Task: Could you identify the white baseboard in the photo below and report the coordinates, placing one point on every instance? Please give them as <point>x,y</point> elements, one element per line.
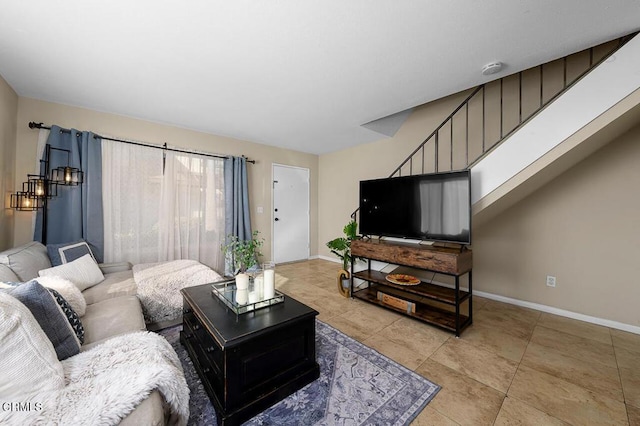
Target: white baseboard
<point>329,258</point>
<point>537,306</point>
<point>561,312</point>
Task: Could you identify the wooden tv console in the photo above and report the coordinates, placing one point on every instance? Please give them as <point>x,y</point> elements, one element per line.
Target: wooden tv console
<point>432,303</point>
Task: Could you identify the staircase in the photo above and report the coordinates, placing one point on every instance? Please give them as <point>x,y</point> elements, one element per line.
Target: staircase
<point>504,127</point>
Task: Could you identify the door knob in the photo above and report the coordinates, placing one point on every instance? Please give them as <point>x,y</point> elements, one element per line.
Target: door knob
<point>276,219</point>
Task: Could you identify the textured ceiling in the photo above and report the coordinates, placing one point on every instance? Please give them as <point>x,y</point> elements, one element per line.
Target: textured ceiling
<point>304,75</point>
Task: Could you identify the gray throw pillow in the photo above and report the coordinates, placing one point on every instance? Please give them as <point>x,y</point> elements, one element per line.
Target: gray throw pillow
<point>70,314</point>
<point>50,316</point>
<point>68,252</point>
<point>67,309</point>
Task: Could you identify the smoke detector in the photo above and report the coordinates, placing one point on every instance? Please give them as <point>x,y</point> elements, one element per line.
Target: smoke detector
<point>492,68</point>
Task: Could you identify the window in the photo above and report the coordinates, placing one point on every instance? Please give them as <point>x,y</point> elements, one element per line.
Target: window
<point>151,215</point>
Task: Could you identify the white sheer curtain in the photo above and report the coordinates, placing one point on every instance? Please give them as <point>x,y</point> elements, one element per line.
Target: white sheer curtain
<point>192,209</point>
<point>151,216</point>
<point>131,180</point>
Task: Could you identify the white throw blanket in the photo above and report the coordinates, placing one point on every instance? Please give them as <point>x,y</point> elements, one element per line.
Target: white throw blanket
<point>159,286</point>
<point>105,383</point>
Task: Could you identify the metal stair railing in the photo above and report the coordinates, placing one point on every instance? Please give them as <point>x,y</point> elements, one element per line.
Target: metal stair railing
<point>479,94</point>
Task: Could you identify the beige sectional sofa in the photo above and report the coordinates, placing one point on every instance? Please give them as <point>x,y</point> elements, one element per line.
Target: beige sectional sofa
<point>112,309</point>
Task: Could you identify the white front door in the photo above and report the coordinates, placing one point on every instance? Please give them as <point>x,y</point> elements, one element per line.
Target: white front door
<point>290,213</point>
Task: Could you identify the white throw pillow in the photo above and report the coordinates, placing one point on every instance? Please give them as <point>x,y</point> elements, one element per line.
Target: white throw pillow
<point>83,272</point>
<point>29,359</point>
<point>68,290</point>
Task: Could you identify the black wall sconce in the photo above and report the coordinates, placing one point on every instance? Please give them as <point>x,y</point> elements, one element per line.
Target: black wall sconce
<point>40,188</point>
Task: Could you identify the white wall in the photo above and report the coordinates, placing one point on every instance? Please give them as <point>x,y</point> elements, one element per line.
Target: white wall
<point>8,114</point>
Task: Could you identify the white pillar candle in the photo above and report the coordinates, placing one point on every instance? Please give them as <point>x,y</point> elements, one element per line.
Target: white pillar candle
<point>269,280</point>
<point>242,281</point>
<point>269,283</point>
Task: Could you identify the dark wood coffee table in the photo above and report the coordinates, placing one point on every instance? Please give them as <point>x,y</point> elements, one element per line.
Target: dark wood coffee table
<point>248,362</point>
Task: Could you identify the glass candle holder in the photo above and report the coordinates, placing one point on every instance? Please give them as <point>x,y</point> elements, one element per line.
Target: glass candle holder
<point>258,285</point>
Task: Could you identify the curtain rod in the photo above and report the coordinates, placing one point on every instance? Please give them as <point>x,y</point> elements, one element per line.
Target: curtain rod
<point>34,125</point>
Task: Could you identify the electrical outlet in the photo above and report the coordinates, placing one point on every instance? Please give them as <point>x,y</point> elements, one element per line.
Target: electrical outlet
<point>551,281</point>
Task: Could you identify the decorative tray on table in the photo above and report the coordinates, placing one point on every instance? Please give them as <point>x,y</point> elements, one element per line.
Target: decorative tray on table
<point>243,301</point>
<point>402,279</point>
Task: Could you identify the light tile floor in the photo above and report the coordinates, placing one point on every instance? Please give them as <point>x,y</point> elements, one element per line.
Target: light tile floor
<point>512,366</point>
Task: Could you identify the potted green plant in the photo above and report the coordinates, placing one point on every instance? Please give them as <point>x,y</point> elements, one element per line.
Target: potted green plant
<point>341,247</point>
<point>243,255</point>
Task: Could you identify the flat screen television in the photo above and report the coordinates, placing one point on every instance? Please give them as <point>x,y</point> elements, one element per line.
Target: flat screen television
<point>435,207</point>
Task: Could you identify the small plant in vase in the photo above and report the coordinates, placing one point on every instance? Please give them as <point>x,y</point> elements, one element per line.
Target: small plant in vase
<point>243,255</point>
<point>341,247</point>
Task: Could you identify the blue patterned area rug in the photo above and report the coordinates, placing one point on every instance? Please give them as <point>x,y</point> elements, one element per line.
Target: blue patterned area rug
<point>357,386</point>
